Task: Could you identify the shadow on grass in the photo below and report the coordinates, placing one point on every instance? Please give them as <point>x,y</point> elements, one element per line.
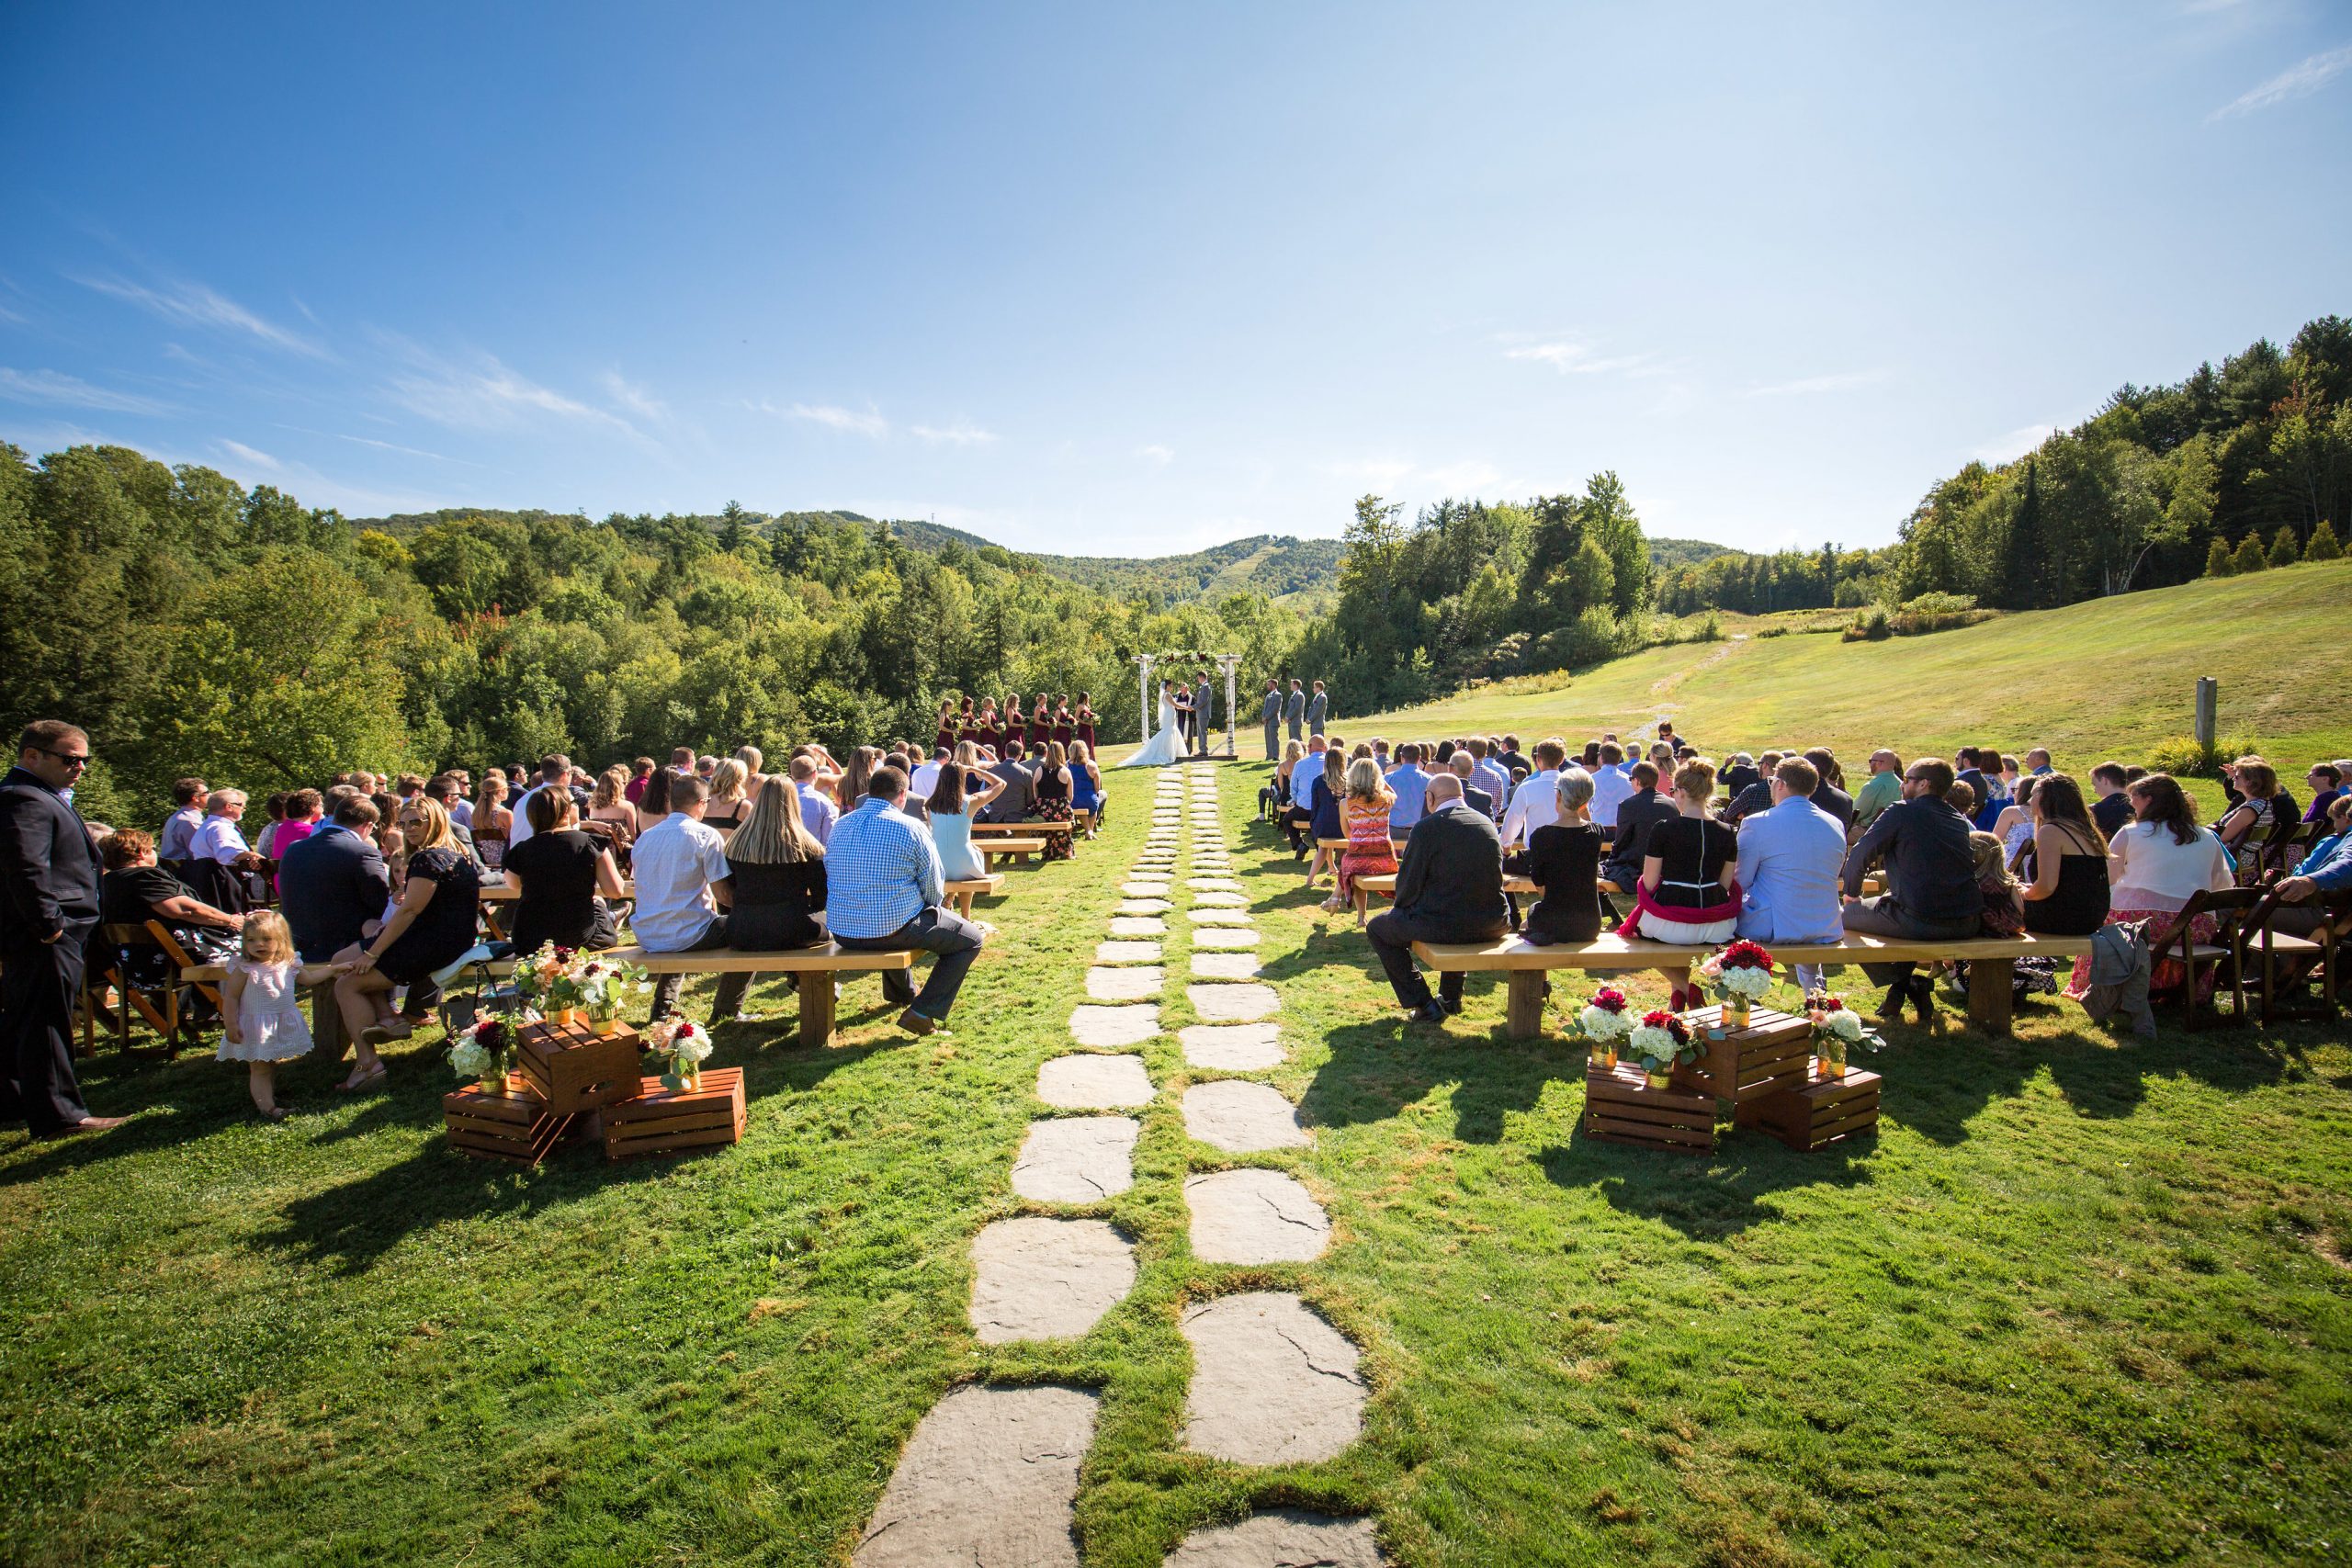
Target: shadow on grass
<point>1704,1198</point>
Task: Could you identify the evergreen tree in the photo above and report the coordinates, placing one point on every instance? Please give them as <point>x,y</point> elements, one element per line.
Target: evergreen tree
<point>2250,556</point>
<point>2027,558</point>
<point>2218,560</point>
<point>2285,550</point>
<point>2324,544</point>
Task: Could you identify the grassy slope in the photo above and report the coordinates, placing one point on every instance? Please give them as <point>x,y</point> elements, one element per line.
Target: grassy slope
<point>2103,679</point>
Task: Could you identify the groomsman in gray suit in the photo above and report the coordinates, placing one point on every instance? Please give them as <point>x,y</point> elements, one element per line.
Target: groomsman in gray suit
<point>1295,710</point>
<point>1318,707</point>
<point>1273,714</point>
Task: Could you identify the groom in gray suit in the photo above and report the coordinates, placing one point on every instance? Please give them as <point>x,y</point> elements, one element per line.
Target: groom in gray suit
<point>1273,714</point>
<point>1295,710</point>
<point>1203,710</point>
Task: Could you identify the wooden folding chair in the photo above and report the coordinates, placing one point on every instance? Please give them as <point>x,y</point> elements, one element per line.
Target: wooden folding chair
<point>2227,949</point>
<point>2288,961</point>
<point>182,959</point>
<point>122,943</point>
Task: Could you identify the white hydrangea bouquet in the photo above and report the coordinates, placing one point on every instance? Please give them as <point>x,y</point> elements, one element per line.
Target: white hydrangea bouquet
<point>1836,1028</point>
<point>1738,977</point>
<point>608,989</point>
<point>485,1052</point>
<point>1604,1023</point>
<point>687,1043</point>
<point>1660,1041</point>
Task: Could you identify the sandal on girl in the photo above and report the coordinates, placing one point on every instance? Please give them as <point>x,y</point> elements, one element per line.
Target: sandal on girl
<point>365,1080</point>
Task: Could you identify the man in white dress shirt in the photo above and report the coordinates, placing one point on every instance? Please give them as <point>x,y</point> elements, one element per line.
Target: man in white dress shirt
<point>926,775</point>
<point>1536,802</point>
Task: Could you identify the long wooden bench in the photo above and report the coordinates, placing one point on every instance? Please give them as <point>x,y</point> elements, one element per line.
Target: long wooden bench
<point>1036,830</point>
<point>816,994</point>
<point>961,894</point>
<point>1992,964</point>
<point>1018,850</point>
<point>318,979</point>
<point>1386,886</point>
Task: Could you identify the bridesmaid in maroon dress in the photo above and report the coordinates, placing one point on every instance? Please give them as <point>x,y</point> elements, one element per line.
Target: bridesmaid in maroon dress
<point>1086,721</point>
<point>1013,722</point>
<point>987,735</point>
<point>966,726</point>
<point>1065,731</point>
<point>1040,721</point>
<point>946,739</point>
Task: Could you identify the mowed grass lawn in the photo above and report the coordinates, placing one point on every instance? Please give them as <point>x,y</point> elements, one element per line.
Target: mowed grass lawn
<point>2083,1299</point>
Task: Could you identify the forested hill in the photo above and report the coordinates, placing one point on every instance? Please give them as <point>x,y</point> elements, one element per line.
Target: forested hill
<point>1300,571</point>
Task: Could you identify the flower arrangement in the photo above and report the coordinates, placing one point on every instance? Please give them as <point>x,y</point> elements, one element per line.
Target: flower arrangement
<point>1735,978</point>
<point>536,975</point>
<point>687,1043</point>
<point>485,1051</point>
<point>1658,1042</point>
<point>608,989</point>
<point>1605,1020</point>
<point>1836,1028</point>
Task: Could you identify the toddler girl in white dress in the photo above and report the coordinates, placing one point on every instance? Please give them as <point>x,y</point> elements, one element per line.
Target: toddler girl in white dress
<point>262,1004</point>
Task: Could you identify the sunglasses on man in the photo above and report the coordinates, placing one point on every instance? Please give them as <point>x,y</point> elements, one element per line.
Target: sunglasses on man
<point>70,759</point>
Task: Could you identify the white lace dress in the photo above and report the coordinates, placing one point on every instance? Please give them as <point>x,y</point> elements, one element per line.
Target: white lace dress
<point>1164,748</point>
<point>270,1024</point>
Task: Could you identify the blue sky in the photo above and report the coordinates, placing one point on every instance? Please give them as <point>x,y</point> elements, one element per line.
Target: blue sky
<point>1129,280</point>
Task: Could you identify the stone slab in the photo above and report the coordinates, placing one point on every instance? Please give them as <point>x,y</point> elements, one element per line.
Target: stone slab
<point>1143,908</point>
<point>1272,1382</point>
<point>1225,966</point>
<point>1213,885</point>
<point>1233,1004</point>
<point>1218,916</point>
<point>1232,1047</point>
<point>1095,1083</point>
<point>1076,1159</point>
<point>989,1475</point>
<point>1145,888</point>
<point>1221,900</point>
<point>1138,925</point>
<point>1132,985</point>
<point>1255,1216</point>
<point>1224,936</point>
<point>1106,1026</point>
<point>1131,952</point>
<point>1041,1279</point>
<point>1239,1117</point>
<point>1287,1537</point>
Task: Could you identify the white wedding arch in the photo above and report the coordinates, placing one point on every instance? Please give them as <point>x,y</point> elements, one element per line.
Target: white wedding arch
<point>1225,662</point>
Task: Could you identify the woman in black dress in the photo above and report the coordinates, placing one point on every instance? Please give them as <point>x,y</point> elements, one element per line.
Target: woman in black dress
<point>431,924</point>
<point>2067,895</point>
<point>560,873</point>
<point>777,868</point>
<point>1564,862</point>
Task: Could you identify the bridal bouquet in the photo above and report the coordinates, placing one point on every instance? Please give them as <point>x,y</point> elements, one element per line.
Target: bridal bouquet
<point>485,1052</point>
<point>1660,1041</point>
<point>1605,1020</point>
<point>1835,1029</point>
<point>687,1043</point>
<point>1735,978</point>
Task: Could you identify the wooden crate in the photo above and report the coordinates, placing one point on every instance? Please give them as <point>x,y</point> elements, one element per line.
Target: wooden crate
<point>1620,1106</point>
<point>665,1121</point>
<point>1772,1054</point>
<point>515,1127</point>
<point>573,1068</point>
<point>1818,1112</point>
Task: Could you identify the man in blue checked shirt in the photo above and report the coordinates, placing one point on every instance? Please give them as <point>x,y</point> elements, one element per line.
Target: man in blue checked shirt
<point>2326,870</point>
<point>884,889</point>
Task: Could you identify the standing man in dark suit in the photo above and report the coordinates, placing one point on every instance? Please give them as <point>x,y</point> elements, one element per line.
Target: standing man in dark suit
<point>333,885</point>
<point>1295,710</point>
<point>1449,888</point>
<point>49,907</point>
<point>1272,712</point>
<point>1204,712</point>
<point>1318,709</point>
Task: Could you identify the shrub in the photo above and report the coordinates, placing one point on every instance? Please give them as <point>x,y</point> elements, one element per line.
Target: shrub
<point>2324,544</point>
<point>1870,626</point>
<point>1773,631</point>
<point>2183,758</point>
<point>2250,556</point>
<point>1914,617</point>
<point>2285,550</point>
<point>2219,562</point>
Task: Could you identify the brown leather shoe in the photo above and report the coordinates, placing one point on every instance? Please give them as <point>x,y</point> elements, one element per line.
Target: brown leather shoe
<point>915,1022</point>
<point>88,1124</point>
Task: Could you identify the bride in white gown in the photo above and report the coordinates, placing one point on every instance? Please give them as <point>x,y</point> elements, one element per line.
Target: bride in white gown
<point>1165,747</point>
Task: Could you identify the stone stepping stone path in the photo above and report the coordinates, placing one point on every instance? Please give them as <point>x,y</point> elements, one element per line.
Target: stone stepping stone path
<point>1045,1278</point>
<point>1240,1117</point>
<point>1233,1004</point>
<point>1105,1027</point>
<point>1093,1082</point>
<point>1254,1216</point>
<point>1145,889</point>
<point>1224,936</point>
<point>1218,916</point>
<point>1272,1382</point>
<point>1231,1047</point>
<point>990,1475</point>
<point>1127,953</point>
<point>1220,901</point>
<point>1138,925</point>
<point>1143,907</point>
<point>1123,985</point>
<point>1226,965</point>
<point>1076,1159</point>
<point>1290,1537</point>
<point>1213,885</point>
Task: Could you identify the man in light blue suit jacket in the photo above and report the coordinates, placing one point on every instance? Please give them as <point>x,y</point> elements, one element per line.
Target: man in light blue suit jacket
<point>1790,860</point>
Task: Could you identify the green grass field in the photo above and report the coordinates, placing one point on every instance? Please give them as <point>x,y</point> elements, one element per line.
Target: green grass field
<point>2085,1299</point>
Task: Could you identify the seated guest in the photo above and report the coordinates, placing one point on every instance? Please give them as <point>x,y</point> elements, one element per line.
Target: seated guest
<point>614,810</point>
<point>818,812</point>
<point>2014,827</point>
<point>1962,799</point>
<point>729,801</point>
<point>2261,805</point>
<point>265,845</point>
<point>2037,762</point>
<point>220,865</point>
<point>1830,795</point>
<point>493,822</point>
<point>682,887</point>
<point>1756,797</point>
<point>1642,810</point>
<point>925,778</point>
<point>558,874</point>
<point>640,772</point>
<point>1050,798</point>
<point>1535,800</point>
<point>2112,809</point>
<point>1881,790</point>
<point>442,790</point>
<point>2156,865</point>
<point>1789,858</point>
<point>2326,868</point>
<point>555,772</point>
<point>1564,862</point>
<point>332,886</point>
<point>1688,893</point>
<point>1409,786</point>
<point>179,828</point>
<point>1480,801</point>
<point>1017,786</point>
<point>1450,889</point>
<point>2066,862</point>
<point>952,814</point>
<point>654,804</point>
<point>1930,876</point>
<point>1363,822</point>
<point>429,928</point>
<point>1085,784</point>
<point>1489,775</point>
<point>885,890</point>
<point>1738,775</point>
<point>134,890</point>
<point>1611,786</point>
<point>305,808</point>
<point>777,869</point>
<point>2327,785</point>
<point>1324,792</point>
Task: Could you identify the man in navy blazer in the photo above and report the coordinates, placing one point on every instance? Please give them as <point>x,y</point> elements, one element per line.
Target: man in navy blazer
<point>333,885</point>
<point>49,907</point>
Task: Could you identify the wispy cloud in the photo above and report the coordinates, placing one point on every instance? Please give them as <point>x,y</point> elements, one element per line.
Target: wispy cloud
<point>634,397</point>
<point>252,458</point>
<point>1805,386</point>
<point>2016,443</point>
<point>1156,455</point>
<point>1571,359</point>
<point>50,389</point>
<point>832,416</point>
<point>485,393</point>
<point>962,433</point>
<point>379,445</point>
<point>193,304</point>
<point>2295,82</point>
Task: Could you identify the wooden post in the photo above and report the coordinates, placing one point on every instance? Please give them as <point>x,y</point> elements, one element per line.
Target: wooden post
<point>816,1007</point>
<point>1991,990</point>
<point>2209,694</point>
<point>1523,1018</point>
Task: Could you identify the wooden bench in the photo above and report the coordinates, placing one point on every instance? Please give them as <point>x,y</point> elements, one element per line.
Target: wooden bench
<point>1992,964</point>
<point>318,979</point>
<point>1386,886</point>
<point>1018,850</point>
<point>493,894</point>
<point>961,894</point>
<point>818,963</point>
